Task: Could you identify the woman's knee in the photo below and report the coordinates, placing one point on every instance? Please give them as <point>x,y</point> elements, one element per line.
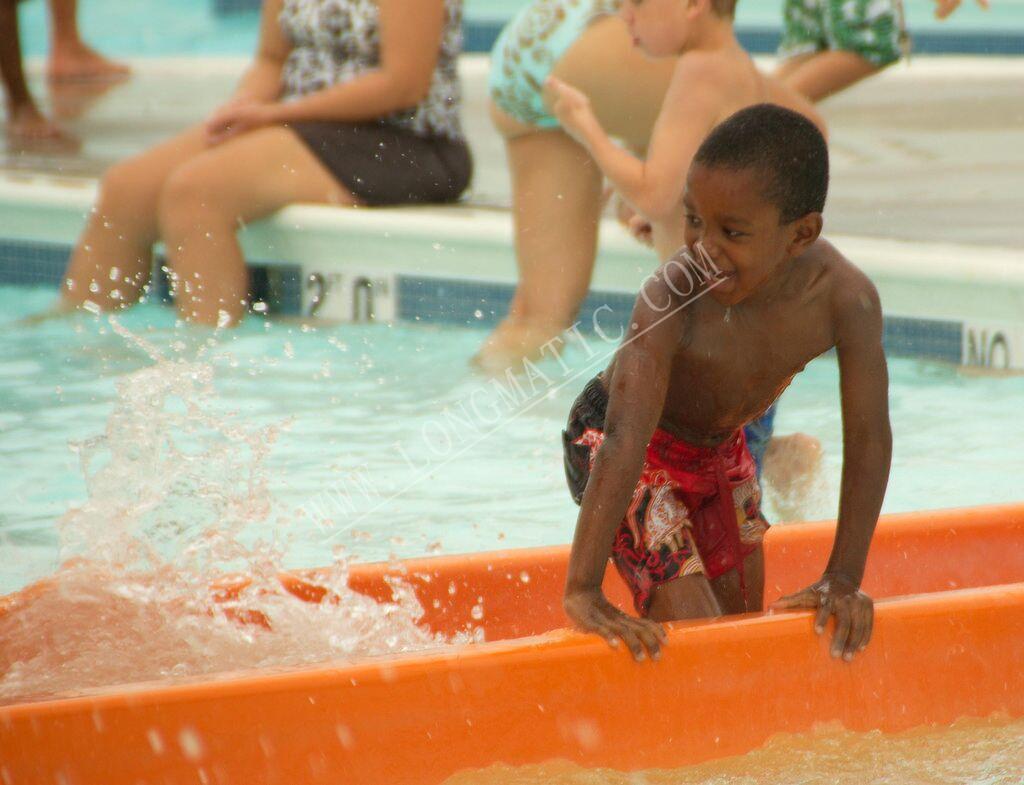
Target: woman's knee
<point>187,200</point>
<point>127,188</point>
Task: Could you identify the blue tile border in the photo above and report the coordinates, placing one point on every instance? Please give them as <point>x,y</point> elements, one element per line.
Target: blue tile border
<point>457,302</point>
<point>33,263</point>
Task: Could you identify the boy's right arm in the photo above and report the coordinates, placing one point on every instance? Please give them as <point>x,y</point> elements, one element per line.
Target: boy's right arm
<point>637,393</point>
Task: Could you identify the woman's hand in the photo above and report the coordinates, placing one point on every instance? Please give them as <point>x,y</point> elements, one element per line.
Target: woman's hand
<point>838,596</point>
<point>591,612</point>
<point>238,117</point>
<point>573,110</point>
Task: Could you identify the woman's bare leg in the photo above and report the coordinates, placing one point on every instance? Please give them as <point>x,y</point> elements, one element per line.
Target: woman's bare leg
<point>823,74</point>
<point>111,263</point>
<point>205,201</point>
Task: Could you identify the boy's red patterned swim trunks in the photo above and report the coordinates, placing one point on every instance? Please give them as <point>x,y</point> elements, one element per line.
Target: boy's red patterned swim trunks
<point>695,510</point>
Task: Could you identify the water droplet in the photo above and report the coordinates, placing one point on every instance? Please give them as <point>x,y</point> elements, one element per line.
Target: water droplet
<point>524,576</point>
<point>156,741</point>
<point>477,612</point>
<point>191,744</point>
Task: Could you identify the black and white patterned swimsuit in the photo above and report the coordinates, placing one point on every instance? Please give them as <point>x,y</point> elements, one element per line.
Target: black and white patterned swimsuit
<point>415,155</point>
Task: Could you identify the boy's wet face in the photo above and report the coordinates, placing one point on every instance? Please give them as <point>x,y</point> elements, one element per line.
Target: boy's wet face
<point>728,217</point>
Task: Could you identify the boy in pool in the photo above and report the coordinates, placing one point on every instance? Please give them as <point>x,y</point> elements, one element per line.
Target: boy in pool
<point>654,447</point>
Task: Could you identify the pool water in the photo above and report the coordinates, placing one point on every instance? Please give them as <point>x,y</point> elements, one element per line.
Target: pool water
<point>141,459</point>
<point>147,28</point>
<point>379,439</point>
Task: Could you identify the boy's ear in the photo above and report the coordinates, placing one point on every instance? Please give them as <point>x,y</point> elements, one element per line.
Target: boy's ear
<point>695,8</point>
<point>805,230</point>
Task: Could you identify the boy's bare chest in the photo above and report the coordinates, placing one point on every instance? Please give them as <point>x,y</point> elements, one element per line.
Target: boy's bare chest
<point>729,370</point>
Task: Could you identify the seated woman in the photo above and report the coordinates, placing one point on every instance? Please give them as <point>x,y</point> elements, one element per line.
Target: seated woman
<point>347,102</point>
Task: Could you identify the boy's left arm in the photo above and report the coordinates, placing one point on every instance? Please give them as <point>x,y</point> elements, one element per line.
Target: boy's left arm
<point>867,450</point>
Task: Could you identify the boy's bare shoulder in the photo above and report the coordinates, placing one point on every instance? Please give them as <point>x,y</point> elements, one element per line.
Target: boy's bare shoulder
<point>703,68</point>
<point>851,294</point>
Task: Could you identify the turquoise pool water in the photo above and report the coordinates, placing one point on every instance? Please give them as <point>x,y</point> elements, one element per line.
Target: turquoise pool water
<point>360,436</point>
<point>145,28</point>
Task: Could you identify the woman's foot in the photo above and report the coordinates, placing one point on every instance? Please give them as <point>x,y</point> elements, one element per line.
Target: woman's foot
<point>82,63</point>
<point>29,129</point>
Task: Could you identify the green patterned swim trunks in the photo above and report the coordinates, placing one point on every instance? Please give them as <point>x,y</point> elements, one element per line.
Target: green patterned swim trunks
<point>872,29</point>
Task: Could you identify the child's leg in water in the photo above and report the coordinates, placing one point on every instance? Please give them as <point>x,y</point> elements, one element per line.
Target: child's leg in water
<point>556,210</point>
<point>556,187</point>
<point>791,465</point>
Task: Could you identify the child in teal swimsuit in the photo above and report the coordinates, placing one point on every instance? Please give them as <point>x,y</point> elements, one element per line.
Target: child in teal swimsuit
<point>529,47</point>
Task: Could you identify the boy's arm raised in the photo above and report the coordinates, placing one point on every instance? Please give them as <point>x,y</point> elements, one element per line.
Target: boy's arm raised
<point>654,185</point>
<point>636,396</point>
<point>867,450</point>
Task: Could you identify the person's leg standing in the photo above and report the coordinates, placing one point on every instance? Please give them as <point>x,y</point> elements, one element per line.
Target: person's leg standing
<point>206,200</point>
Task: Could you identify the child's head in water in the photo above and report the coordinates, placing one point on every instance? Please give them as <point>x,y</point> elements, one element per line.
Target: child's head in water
<point>754,195</point>
<point>664,28</point>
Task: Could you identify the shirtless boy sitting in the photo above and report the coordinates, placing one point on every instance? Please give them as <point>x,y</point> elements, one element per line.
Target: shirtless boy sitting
<point>654,448</point>
<point>713,77</point>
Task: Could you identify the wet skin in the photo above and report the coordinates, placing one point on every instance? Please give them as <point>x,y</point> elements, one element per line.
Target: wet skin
<point>701,368</point>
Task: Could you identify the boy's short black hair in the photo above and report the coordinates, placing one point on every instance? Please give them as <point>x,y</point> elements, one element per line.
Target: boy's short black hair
<point>783,145</point>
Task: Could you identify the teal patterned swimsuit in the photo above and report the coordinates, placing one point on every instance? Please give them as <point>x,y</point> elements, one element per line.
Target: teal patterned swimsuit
<point>530,46</point>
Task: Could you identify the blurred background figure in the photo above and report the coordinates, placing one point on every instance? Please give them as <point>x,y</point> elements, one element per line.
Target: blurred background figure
<point>24,122</point>
<point>347,102</point>
<point>828,45</point>
<point>71,59</point>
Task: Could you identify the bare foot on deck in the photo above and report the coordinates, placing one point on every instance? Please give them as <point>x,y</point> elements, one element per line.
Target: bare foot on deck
<point>82,63</point>
<point>30,130</point>
<point>791,466</point>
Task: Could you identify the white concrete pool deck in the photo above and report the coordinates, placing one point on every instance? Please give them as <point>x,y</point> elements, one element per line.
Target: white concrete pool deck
<point>928,184</point>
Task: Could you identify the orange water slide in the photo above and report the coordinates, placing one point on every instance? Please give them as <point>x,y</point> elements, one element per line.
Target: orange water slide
<point>948,641</point>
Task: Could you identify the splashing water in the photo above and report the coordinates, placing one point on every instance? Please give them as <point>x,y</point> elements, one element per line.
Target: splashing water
<point>177,499</point>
